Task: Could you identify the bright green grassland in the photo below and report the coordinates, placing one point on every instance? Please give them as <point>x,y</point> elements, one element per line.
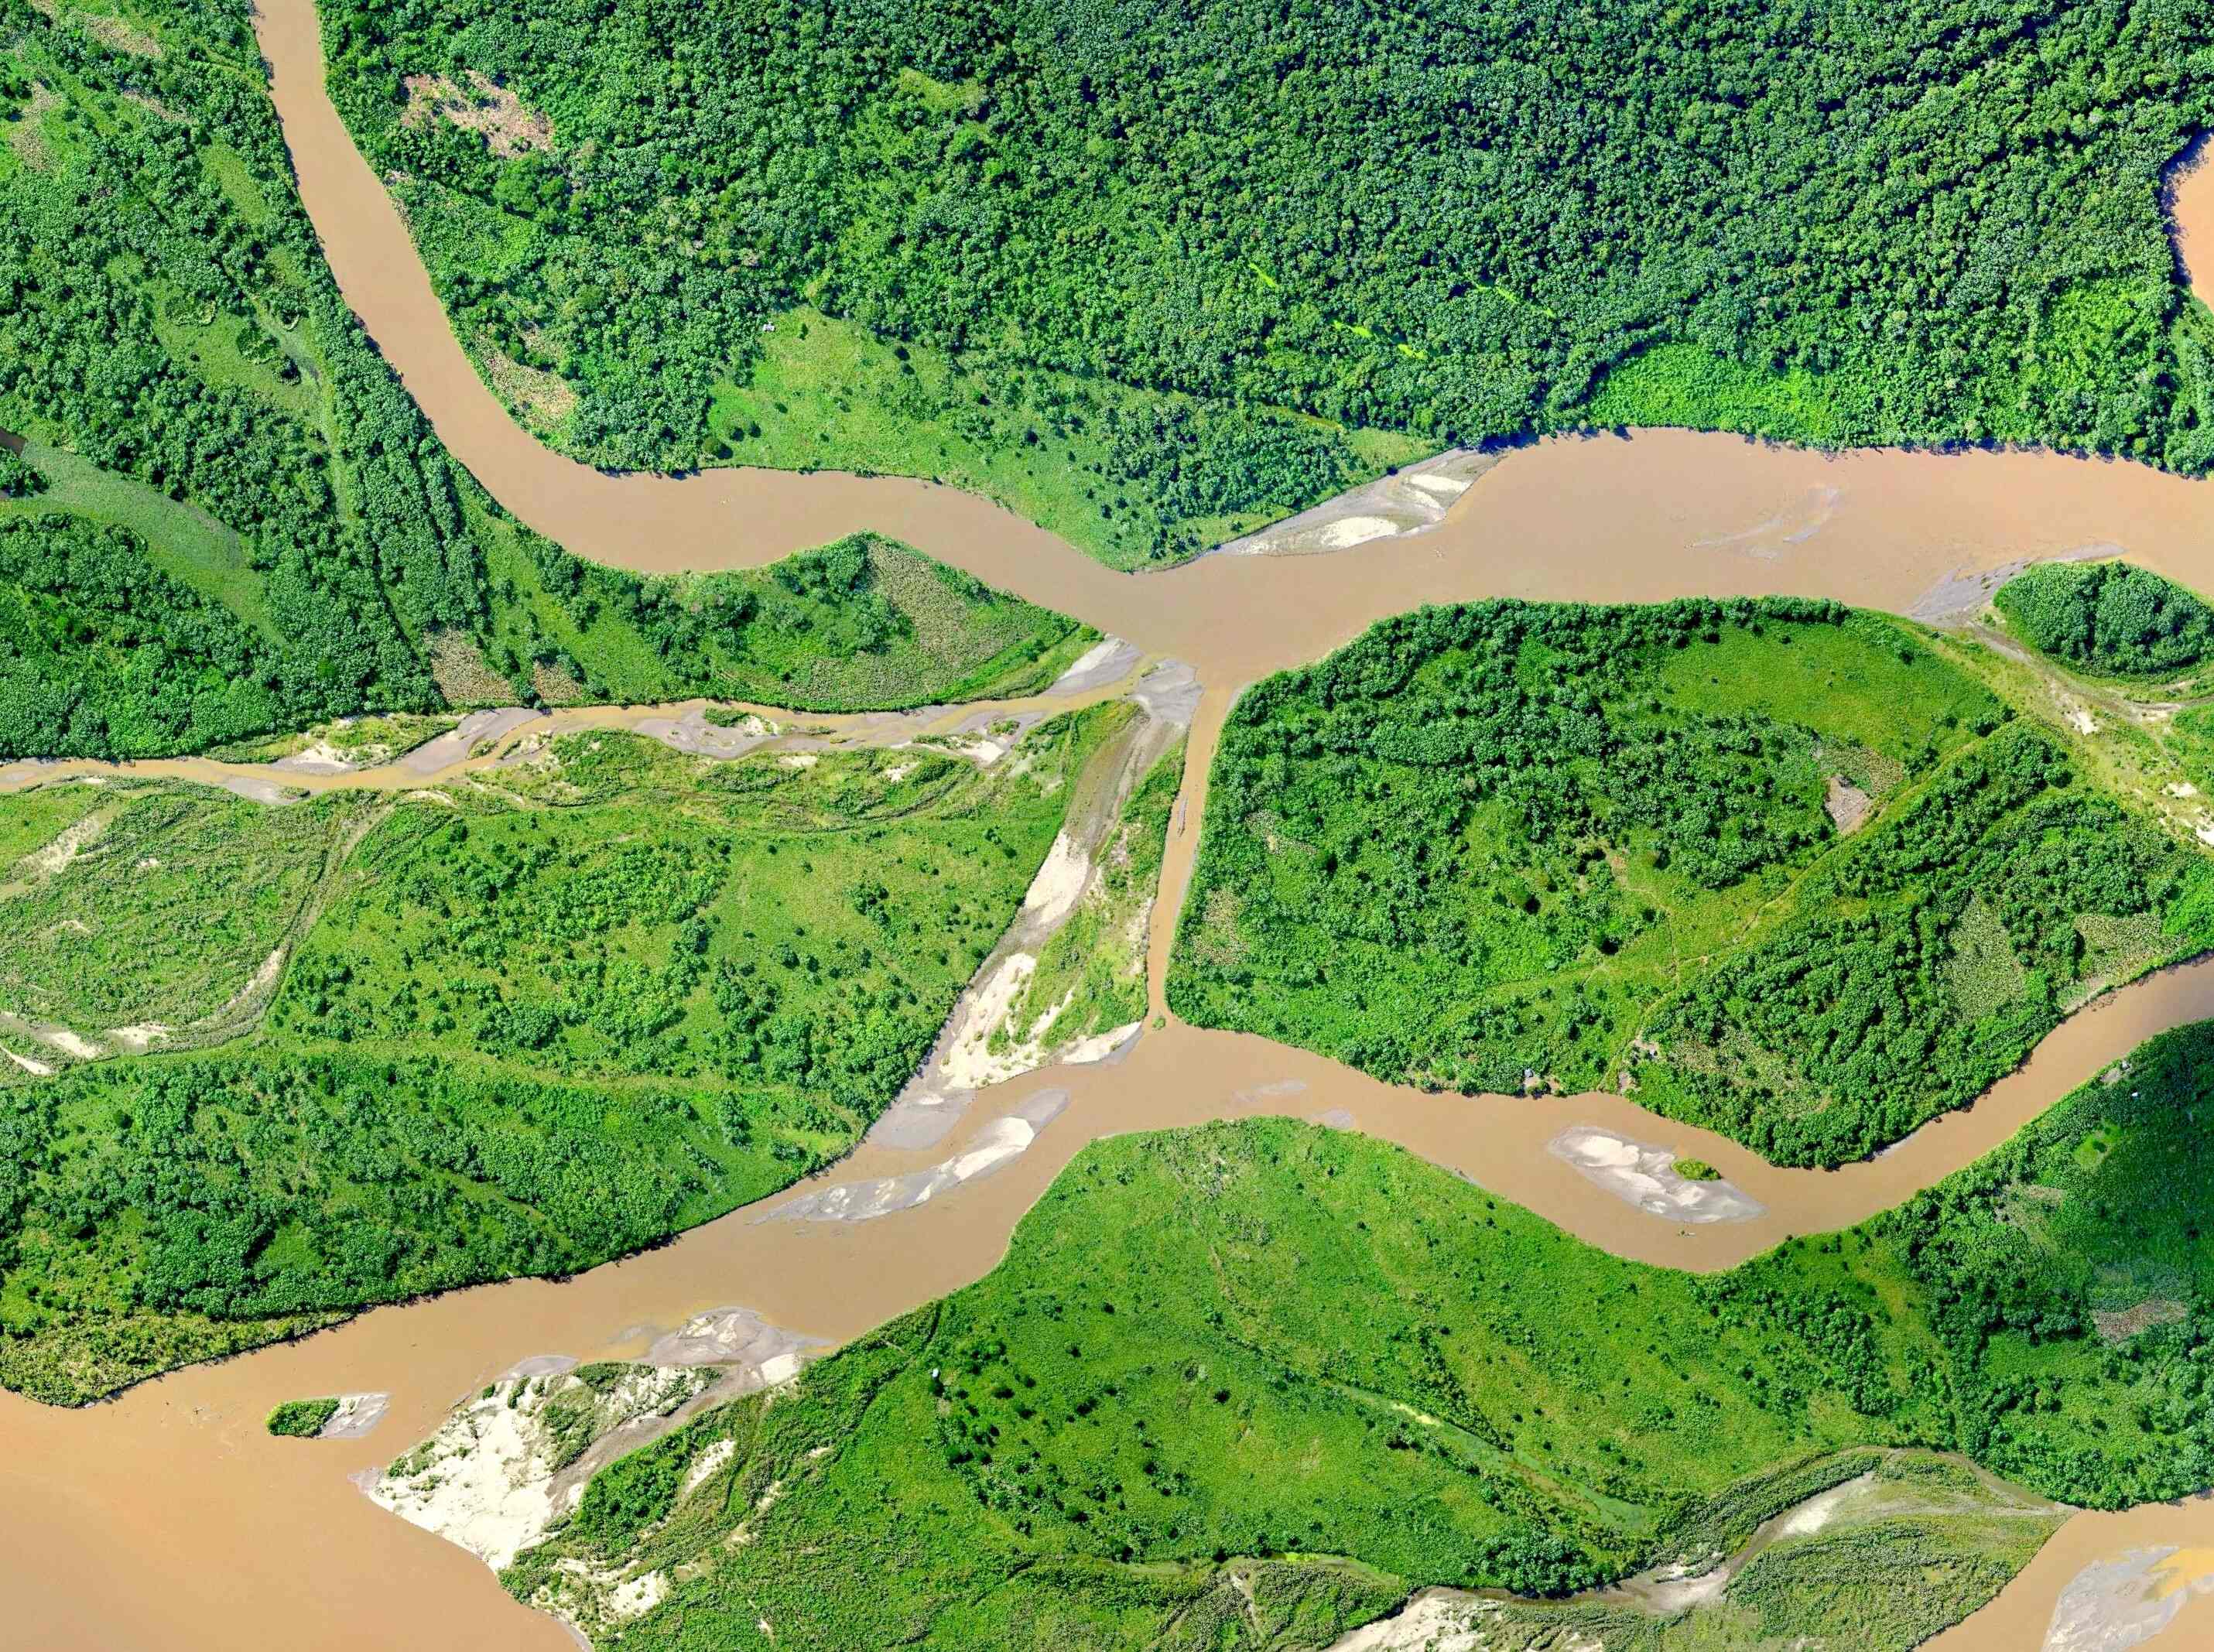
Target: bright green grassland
<point>133,904</point>
<point>230,521</point>
<point>1140,276</point>
<point>534,1027</point>
<point>1502,845</point>
<point>1315,1361</point>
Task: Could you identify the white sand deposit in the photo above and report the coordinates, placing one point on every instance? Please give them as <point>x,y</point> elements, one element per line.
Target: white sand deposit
<point>1053,894</point>
<point>1109,660</point>
<point>70,1043</point>
<point>998,1143</point>
<point>487,1480</point>
<point>1645,1176</point>
<point>44,863</point>
<point>2125,1602</point>
<point>1434,1621</point>
<point>356,1416</point>
<point>140,1038</point>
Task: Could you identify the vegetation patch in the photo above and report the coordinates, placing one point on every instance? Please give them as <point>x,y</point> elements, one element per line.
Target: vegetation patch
<point>2108,618</point>
<point>302,1419</point>
<point>1502,845</point>
<point>1153,1410</point>
<point>144,915</point>
<point>610,994</point>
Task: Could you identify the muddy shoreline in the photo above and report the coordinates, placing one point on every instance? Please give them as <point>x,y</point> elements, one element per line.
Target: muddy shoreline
<point>281,1549</point>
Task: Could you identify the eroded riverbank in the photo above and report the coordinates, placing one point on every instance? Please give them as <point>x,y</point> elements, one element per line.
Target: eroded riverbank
<point>280,1549</point>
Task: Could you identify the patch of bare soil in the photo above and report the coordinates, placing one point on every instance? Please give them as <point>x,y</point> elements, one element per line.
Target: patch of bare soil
<point>118,35</point>
<point>463,676</point>
<point>555,686</point>
<point>508,125</point>
<point>2121,1326</point>
<point>24,135</point>
<point>1848,805</point>
<point>541,400</point>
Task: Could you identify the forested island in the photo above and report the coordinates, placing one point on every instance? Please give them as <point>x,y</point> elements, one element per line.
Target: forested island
<point>516,1029</point>
<point>1779,867</point>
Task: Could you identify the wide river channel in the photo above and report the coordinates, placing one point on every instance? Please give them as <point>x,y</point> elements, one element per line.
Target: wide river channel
<point>169,1518</point>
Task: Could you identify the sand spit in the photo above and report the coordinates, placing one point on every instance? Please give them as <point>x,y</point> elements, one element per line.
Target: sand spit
<point>477,731</point>
<point>692,733</point>
<point>1170,693</point>
<point>1959,598</point>
<point>1106,662</point>
<point>1408,501</point>
<point>980,1044</point>
<point>2126,1600</point>
<point>754,1353</point>
<point>356,1416</point>
<point>999,1143</point>
<point>1646,1176</point>
<point>42,863</point>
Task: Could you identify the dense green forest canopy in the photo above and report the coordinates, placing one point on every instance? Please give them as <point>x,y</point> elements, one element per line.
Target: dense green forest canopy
<point>534,1027</point>
<point>2108,618</point>
<point>1777,865</point>
<point>1267,1342</point>
<point>229,518</point>
<point>1462,219</point>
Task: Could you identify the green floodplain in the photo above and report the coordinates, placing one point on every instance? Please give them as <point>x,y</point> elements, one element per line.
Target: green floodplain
<point>1151,1424</point>
<point>522,1026</point>
<point>1248,1384</point>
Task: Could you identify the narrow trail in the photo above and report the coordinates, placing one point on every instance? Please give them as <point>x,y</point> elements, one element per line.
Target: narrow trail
<point>280,1549</point>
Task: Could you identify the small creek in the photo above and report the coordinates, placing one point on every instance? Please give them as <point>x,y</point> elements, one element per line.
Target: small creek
<point>168,1518</point>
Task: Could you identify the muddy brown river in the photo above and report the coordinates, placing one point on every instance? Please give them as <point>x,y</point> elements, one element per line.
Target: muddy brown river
<point>169,1518</point>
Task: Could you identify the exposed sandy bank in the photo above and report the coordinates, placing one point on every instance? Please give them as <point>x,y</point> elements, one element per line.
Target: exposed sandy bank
<point>1646,1176</point>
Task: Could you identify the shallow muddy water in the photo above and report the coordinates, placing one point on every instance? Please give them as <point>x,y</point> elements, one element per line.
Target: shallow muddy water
<point>169,1518</point>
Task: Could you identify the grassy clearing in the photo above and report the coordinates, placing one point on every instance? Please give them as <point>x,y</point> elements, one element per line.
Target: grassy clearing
<point>139,905</point>
<point>1504,846</point>
<point>606,995</point>
<point>1268,1359</point>
<point>182,541</point>
<point>1063,451</point>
